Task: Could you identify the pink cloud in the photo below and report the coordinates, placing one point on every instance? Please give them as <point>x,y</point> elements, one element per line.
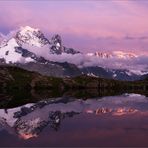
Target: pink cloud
<point>81,19</point>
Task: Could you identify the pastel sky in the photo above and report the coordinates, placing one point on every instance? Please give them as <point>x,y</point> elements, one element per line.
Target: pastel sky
<point>86,25</point>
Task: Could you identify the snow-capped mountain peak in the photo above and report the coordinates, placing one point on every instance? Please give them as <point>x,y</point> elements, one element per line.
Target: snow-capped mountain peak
<point>9,53</point>
<point>22,46</point>
<point>31,36</point>
<point>28,29</point>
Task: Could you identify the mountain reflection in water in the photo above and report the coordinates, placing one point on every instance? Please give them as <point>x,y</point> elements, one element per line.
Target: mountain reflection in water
<point>77,122</point>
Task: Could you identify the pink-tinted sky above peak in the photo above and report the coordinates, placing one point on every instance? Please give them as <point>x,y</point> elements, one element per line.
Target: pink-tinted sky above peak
<point>87,25</point>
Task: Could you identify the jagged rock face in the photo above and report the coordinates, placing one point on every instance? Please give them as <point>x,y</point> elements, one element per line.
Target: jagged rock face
<point>58,48</point>
<point>3,41</point>
<point>33,37</point>
<point>1,38</point>
<point>70,50</point>
<point>56,45</point>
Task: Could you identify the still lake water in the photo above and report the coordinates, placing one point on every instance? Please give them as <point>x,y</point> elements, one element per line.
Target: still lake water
<point>103,121</point>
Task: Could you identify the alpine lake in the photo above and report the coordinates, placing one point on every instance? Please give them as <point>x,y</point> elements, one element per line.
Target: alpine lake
<point>74,119</point>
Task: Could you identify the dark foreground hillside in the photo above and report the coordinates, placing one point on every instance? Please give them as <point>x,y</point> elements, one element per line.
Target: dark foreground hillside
<point>17,78</point>
<point>18,86</point>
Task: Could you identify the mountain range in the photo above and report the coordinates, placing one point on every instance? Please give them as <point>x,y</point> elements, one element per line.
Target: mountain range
<point>30,49</point>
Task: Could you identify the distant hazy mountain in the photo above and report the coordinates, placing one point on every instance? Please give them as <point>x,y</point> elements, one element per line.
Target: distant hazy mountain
<point>117,74</point>
<point>114,54</point>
